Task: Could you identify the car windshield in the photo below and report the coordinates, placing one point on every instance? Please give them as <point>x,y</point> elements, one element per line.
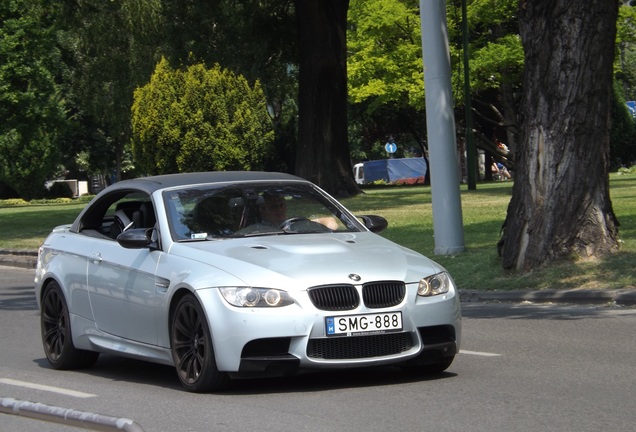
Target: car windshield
<point>213,212</point>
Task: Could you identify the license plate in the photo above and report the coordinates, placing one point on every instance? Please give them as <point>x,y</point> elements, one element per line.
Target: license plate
<point>355,325</point>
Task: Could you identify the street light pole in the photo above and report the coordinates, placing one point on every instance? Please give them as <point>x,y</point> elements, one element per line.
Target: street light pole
<point>440,123</point>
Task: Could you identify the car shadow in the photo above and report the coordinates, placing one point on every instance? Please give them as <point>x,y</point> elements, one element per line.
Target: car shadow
<point>121,369</point>
<point>333,380</point>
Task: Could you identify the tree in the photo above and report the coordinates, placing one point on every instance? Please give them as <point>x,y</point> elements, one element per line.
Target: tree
<point>560,203</point>
<point>253,38</point>
<point>323,147</point>
<point>385,76</point>
<point>112,48</point>
<point>198,120</point>
<point>32,109</point>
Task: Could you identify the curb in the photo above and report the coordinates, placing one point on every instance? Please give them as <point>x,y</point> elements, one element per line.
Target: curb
<point>619,297</point>
<point>22,258</point>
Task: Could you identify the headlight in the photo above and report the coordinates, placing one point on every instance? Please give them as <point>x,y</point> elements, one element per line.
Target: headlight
<point>255,297</point>
<point>439,283</point>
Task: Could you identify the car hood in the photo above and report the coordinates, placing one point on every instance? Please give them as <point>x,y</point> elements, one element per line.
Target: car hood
<point>300,261</point>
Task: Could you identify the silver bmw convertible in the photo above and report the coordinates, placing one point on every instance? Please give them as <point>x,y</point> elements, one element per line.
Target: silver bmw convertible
<point>228,275</point>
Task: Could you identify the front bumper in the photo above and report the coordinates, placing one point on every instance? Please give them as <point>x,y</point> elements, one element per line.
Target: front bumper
<point>282,341</point>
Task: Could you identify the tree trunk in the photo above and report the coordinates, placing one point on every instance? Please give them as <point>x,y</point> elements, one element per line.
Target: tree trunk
<point>322,155</point>
<point>560,203</point>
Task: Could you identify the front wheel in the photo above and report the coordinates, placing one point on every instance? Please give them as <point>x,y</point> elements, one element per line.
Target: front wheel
<point>55,326</point>
<point>192,349</point>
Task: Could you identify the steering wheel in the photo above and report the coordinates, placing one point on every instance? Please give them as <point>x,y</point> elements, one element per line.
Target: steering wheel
<point>287,223</point>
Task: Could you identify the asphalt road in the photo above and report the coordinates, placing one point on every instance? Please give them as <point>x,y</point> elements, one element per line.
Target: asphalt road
<point>523,367</point>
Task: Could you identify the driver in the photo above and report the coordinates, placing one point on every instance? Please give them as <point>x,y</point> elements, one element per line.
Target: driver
<point>273,209</point>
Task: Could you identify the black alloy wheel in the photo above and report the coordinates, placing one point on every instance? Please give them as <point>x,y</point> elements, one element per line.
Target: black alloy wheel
<point>192,349</point>
<point>55,326</point>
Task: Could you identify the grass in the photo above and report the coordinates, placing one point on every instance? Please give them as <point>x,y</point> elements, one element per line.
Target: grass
<point>409,212</point>
<point>410,216</point>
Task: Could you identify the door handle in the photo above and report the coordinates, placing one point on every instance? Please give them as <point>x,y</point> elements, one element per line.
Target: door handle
<point>96,257</point>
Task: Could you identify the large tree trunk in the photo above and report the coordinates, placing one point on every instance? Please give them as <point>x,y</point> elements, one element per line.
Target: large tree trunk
<point>323,148</point>
<point>560,203</point>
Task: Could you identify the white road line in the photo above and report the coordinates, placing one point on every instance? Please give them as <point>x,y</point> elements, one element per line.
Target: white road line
<point>477,353</point>
<point>59,390</point>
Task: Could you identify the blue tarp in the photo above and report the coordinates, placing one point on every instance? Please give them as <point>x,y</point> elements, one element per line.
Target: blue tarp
<point>391,170</point>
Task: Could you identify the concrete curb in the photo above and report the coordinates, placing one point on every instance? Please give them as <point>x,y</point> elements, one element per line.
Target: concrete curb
<point>22,258</point>
<point>621,297</point>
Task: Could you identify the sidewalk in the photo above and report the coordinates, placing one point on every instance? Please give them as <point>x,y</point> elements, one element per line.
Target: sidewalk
<point>620,297</point>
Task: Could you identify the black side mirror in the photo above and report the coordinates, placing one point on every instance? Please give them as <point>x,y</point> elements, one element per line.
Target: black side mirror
<point>374,223</point>
<point>136,238</point>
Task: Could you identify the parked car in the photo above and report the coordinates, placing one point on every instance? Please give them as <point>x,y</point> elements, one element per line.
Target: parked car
<point>230,275</point>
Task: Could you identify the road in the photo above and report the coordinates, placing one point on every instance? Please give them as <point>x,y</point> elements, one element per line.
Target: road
<point>522,368</point>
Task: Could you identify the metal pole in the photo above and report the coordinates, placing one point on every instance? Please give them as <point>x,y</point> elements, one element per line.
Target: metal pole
<point>66,416</point>
<point>470,138</point>
<point>447,211</point>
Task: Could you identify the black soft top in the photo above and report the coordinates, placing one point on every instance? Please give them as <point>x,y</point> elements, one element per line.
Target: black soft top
<point>154,183</point>
<point>91,216</point>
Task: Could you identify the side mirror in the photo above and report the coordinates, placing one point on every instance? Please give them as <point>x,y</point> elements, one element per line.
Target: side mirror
<point>136,238</point>
<point>374,223</point>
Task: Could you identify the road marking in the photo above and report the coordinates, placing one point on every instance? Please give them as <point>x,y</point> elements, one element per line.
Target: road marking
<point>59,390</point>
<point>477,353</point>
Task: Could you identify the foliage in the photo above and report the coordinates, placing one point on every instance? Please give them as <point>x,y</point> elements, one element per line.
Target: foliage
<point>385,60</point>
<point>199,119</point>
<point>495,50</point>
<point>32,109</point>
<point>19,202</point>
<point>254,38</point>
<point>11,202</point>
<point>111,47</point>
<point>625,63</point>
<point>497,62</point>
<point>386,75</point>
<point>623,132</point>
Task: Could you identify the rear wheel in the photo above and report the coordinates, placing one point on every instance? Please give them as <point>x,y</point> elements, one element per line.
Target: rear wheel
<point>55,326</point>
<point>192,349</point>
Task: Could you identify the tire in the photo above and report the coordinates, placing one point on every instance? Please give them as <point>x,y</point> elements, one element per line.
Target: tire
<point>192,350</point>
<point>57,339</point>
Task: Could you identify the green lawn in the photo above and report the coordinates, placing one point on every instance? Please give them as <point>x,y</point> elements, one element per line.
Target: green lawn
<point>409,212</point>
<point>410,216</point>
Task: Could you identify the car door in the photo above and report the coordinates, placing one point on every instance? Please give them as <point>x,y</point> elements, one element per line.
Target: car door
<point>121,285</point>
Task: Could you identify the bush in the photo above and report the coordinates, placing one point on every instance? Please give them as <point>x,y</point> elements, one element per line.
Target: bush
<point>11,202</point>
<point>199,119</point>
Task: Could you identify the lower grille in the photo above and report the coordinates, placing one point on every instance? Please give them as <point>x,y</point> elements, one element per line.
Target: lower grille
<point>359,347</point>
